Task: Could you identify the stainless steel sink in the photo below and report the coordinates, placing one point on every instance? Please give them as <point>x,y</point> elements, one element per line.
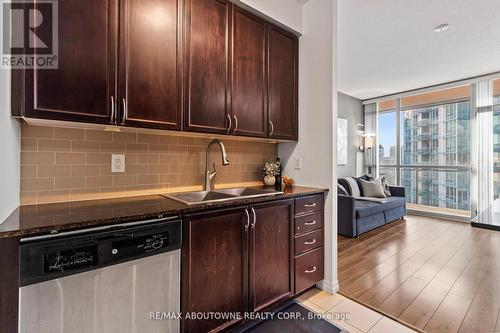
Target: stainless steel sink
<point>198,197</point>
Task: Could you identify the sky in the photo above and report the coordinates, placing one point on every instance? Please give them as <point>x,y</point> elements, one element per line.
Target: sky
<point>387,131</point>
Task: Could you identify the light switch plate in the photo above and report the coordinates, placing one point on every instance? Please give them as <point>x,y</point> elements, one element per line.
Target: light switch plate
<point>117,163</point>
<point>297,163</point>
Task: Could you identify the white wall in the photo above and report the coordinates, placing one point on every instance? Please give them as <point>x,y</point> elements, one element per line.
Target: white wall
<point>287,12</point>
<point>350,108</point>
<point>317,119</point>
<point>9,151</point>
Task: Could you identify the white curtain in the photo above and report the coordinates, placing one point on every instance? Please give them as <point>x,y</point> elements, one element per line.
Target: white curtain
<point>484,142</point>
<point>371,142</point>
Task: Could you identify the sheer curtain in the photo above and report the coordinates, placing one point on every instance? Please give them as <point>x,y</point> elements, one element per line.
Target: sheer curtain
<point>371,142</point>
<point>483,137</point>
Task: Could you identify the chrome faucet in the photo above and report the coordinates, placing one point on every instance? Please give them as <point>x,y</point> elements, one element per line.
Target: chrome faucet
<point>210,175</point>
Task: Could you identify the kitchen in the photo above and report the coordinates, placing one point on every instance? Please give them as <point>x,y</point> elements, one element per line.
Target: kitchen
<point>158,91</point>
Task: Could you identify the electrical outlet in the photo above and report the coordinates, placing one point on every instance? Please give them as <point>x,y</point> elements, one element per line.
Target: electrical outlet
<point>297,163</point>
<point>117,163</point>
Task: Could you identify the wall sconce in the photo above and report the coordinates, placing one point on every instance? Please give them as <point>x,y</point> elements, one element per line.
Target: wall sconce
<point>361,139</point>
<point>369,142</point>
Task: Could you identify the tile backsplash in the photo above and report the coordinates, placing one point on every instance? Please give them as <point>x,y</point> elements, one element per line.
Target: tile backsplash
<point>71,164</point>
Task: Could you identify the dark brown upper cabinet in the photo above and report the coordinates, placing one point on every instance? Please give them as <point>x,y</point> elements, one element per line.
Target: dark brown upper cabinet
<point>207,66</point>
<point>83,87</point>
<point>248,106</point>
<point>149,67</point>
<point>271,254</point>
<point>282,84</point>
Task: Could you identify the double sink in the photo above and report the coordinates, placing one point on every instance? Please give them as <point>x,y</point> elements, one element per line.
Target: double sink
<point>223,195</point>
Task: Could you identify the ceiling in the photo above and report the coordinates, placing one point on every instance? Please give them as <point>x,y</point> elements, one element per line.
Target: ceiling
<point>389,46</point>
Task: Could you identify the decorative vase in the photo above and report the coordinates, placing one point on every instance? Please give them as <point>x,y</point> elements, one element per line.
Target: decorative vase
<point>269,180</point>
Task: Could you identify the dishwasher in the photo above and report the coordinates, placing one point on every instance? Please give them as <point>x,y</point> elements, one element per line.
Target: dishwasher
<point>102,280</point>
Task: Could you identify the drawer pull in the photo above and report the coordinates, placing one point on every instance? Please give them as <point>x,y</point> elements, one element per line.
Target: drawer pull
<point>311,242</point>
<point>312,270</point>
<point>313,222</point>
<point>310,205</point>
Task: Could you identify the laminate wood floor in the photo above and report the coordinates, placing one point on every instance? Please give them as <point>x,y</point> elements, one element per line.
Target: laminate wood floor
<point>435,275</point>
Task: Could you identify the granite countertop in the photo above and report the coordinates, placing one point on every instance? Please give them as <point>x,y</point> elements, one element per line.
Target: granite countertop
<point>51,218</point>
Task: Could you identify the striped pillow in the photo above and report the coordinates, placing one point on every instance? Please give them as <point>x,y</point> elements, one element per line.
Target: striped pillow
<point>353,186</point>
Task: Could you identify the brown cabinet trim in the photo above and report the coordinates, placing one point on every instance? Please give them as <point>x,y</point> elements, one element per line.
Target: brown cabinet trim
<point>9,287</point>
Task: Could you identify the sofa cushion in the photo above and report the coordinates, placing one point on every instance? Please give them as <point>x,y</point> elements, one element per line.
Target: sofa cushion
<point>351,185</point>
<point>367,208</point>
<point>393,202</point>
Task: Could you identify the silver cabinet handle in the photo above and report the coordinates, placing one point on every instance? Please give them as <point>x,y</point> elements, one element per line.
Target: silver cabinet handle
<point>235,124</point>
<point>230,123</point>
<point>125,111</point>
<point>254,218</point>
<point>272,128</point>
<point>311,242</point>
<point>312,270</point>
<point>112,110</point>
<point>310,223</point>
<point>310,205</point>
<point>248,220</point>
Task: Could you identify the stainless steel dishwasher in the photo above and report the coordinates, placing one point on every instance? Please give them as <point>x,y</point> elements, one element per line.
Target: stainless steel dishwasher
<point>100,280</point>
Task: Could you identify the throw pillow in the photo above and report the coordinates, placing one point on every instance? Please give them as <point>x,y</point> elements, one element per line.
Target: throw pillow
<point>353,187</point>
<point>341,190</point>
<point>373,188</point>
<point>358,180</point>
<point>387,190</point>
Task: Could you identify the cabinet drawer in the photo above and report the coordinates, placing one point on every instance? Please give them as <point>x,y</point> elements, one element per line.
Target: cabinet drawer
<point>309,222</point>
<point>308,269</point>
<point>309,204</point>
<point>308,241</point>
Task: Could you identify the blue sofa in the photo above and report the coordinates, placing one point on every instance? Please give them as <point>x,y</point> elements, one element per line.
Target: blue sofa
<point>356,217</point>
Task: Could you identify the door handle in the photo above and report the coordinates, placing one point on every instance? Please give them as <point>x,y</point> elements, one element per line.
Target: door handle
<point>125,111</point>
<point>311,242</point>
<point>112,120</point>
<point>235,124</point>
<point>272,128</point>
<point>230,124</point>
<point>310,205</point>
<point>254,218</point>
<point>310,223</point>
<point>312,270</point>
<point>248,220</point>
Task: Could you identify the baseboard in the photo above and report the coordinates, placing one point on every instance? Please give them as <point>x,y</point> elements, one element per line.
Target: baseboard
<point>329,287</point>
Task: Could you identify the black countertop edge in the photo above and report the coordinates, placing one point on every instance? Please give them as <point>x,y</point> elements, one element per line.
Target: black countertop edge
<point>34,220</point>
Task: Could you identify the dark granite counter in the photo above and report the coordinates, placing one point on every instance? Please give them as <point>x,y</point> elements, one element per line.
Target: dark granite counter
<point>52,218</point>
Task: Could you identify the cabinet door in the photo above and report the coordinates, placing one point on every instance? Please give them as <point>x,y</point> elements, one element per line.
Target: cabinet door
<point>148,64</point>
<point>248,75</point>
<point>271,253</point>
<point>83,86</point>
<point>282,84</point>
<point>207,90</point>
<point>214,267</point>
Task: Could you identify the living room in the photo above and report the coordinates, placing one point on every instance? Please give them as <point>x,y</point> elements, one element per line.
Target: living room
<point>418,162</point>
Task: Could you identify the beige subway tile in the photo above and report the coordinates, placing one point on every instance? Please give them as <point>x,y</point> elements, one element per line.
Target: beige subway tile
<point>29,144</point>
<point>169,159</point>
<point>159,188</point>
<point>131,158</point>
<point>186,141</point>
<point>27,198</point>
<point>148,158</point>
<point>69,183</point>
<point>158,169</point>
<point>53,145</point>
<point>147,138</point>
<point>105,170</point>
<point>176,149</point>
<point>112,192</point>
<point>98,135</point>
<point>37,158</point>
<point>85,170</point>
<point>54,170</point>
<point>187,159</point>
<point>138,189</point>
<point>168,178</point>
<point>70,158</point>
<point>43,197</point>
<point>84,194</point>
<point>124,180</point>
<point>28,170</point>
<point>136,169</point>
<point>124,137</point>
<point>168,140</point>
<point>99,158</point>
<point>69,133</point>
<point>147,179</point>
<point>158,148</point>
<point>99,181</point>
<point>113,147</point>
<point>36,184</point>
<point>137,148</point>
<point>30,131</point>
<point>85,146</point>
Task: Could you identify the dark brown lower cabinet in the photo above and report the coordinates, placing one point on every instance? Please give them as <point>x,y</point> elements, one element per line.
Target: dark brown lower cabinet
<point>234,261</point>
